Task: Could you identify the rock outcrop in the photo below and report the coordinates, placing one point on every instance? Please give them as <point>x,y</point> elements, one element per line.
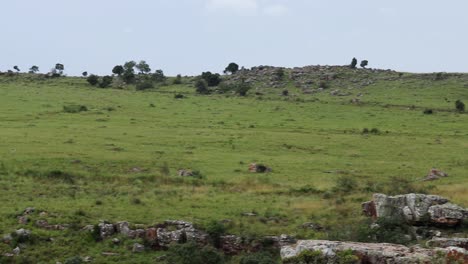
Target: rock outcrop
<point>375,253</point>
<point>416,209</point>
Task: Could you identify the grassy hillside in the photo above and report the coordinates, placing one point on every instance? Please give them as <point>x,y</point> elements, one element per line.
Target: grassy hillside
<point>119,160</point>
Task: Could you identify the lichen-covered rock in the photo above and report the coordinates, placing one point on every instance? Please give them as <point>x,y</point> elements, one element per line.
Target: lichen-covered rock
<point>106,230</point>
<point>372,253</point>
<point>415,209</point>
<point>448,242</point>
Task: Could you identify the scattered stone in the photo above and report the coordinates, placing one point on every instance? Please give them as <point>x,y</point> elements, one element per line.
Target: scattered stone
<point>23,232</point>
<point>435,174</point>
<point>110,254</point>
<point>138,248</point>
<point>43,214</point>
<point>185,173</point>
<point>259,168</point>
<point>249,214</point>
<point>88,228</point>
<point>116,241</point>
<point>87,259</point>
<point>23,220</point>
<point>29,211</point>
<point>16,251</point>
<point>106,230</point>
<point>7,239</point>
<point>312,226</point>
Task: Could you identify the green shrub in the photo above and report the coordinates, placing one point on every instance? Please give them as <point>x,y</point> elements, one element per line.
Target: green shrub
<point>323,85</point>
<point>179,96</point>
<point>258,258</point>
<point>211,79</point>
<point>144,85</point>
<point>178,79</point>
<point>190,253</point>
<point>345,184</point>
<point>106,81</point>
<point>215,229</point>
<point>74,260</point>
<point>201,87</point>
<point>93,79</point>
<point>460,106</point>
<point>347,257</point>
<point>428,111</point>
<point>73,108</point>
<point>307,257</point>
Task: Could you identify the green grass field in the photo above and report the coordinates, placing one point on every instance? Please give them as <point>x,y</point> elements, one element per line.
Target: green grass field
<point>112,158</point>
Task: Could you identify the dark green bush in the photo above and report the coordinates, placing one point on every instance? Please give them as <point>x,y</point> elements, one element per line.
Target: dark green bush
<point>307,257</point>
<point>460,106</point>
<point>105,82</point>
<point>190,253</point>
<point>93,79</point>
<point>72,108</point>
<point>211,79</point>
<point>428,111</point>
<point>179,96</point>
<point>345,184</point>
<point>201,87</point>
<point>144,85</point>
<point>258,258</point>
<point>178,79</point>
<point>215,229</point>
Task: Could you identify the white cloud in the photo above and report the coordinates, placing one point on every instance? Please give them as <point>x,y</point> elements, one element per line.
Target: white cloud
<point>239,6</point>
<point>248,7</point>
<point>275,10</point>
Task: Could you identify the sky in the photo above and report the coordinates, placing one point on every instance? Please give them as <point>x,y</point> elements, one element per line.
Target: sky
<point>190,36</point>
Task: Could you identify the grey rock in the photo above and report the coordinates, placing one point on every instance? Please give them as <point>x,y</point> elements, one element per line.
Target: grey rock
<point>138,248</point>
<point>448,242</point>
<point>415,209</point>
<point>371,252</point>
<point>16,251</point>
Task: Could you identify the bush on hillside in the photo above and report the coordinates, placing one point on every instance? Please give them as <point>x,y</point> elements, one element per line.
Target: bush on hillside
<point>73,108</point>
<point>93,79</point>
<point>144,85</point>
<point>178,79</point>
<point>190,253</point>
<point>460,106</point>
<point>105,82</point>
<point>201,87</point>
<point>211,79</point>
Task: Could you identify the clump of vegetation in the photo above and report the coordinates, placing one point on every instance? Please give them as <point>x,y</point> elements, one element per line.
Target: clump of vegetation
<point>428,111</point>
<point>262,257</point>
<point>93,79</point>
<point>374,131</point>
<point>215,230</point>
<point>178,79</point>
<point>201,87</point>
<point>105,82</point>
<point>74,108</point>
<point>307,257</point>
<point>144,85</point>
<point>179,96</point>
<point>345,184</point>
<point>231,68</point>
<point>190,253</point>
<point>364,63</point>
<point>460,106</point>
<point>353,63</point>
<point>211,79</point>
<point>323,85</point>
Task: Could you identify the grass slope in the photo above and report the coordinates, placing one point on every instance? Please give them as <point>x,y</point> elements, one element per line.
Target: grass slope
<point>112,157</point>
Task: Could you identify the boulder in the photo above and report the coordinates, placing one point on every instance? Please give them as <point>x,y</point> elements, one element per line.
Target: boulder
<point>448,242</point>
<point>373,252</point>
<point>138,248</point>
<point>106,230</point>
<point>259,168</point>
<point>185,173</point>
<point>415,209</point>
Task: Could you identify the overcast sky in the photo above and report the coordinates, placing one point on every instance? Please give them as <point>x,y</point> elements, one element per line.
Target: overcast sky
<point>191,36</point>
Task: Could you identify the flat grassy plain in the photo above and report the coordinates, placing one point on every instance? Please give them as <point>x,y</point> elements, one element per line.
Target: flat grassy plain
<point>114,157</point>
